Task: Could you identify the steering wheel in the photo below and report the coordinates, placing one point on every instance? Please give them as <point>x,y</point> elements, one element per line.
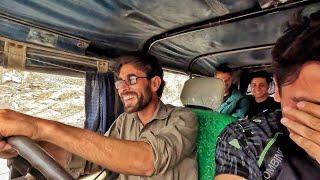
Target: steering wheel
<point>38,158</point>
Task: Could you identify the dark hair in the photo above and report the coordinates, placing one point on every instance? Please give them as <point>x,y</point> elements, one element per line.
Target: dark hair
<point>223,68</point>
<point>144,62</point>
<point>261,74</point>
<point>299,44</point>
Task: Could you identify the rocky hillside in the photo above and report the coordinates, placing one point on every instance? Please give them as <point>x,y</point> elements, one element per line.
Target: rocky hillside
<point>60,98</point>
<point>44,95</point>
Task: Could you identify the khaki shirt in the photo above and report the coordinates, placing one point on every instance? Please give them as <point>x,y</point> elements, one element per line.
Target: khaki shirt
<point>172,134</point>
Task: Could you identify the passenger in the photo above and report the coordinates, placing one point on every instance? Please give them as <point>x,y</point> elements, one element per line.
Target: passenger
<point>260,101</point>
<point>265,149</point>
<point>234,104</point>
<point>150,139</point>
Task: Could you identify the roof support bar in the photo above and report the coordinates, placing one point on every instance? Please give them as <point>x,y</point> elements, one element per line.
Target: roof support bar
<point>229,18</point>
<point>230,51</point>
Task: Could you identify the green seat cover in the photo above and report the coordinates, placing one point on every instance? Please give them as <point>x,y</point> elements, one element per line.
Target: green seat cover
<point>211,124</point>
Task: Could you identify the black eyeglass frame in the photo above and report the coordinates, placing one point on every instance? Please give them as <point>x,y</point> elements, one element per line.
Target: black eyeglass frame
<point>130,80</point>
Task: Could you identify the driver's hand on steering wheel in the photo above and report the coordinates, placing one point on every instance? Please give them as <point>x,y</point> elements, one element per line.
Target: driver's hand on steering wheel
<point>13,123</point>
<point>6,150</point>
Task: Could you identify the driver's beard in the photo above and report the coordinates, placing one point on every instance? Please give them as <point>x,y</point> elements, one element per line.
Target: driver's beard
<point>143,101</point>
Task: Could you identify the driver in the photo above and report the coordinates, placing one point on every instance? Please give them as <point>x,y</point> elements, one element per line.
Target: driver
<point>283,145</point>
<point>150,140</point>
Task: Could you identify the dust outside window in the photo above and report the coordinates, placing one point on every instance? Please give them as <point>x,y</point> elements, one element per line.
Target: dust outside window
<point>54,97</point>
<point>173,88</point>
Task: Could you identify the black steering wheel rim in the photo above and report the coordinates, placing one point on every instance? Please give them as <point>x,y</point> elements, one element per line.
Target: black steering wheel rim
<point>38,158</point>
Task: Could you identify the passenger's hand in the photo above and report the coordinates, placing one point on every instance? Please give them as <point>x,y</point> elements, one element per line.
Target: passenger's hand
<point>304,127</point>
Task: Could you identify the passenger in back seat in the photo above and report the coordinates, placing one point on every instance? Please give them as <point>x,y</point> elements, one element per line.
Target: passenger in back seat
<point>260,101</point>
<point>281,145</point>
<point>234,104</point>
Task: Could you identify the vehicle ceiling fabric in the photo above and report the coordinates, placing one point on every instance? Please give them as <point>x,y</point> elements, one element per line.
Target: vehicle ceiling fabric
<point>238,32</point>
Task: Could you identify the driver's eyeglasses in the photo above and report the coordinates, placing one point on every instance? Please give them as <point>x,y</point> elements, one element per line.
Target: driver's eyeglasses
<point>131,80</point>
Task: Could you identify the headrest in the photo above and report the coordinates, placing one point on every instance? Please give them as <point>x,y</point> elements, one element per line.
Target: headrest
<point>203,91</point>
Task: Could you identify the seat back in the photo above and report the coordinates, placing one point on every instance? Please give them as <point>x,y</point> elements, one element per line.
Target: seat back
<point>203,92</point>
<point>211,125</point>
<point>205,95</point>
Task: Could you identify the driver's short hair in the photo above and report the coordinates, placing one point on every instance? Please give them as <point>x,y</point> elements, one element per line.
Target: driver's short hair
<point>146,63</point>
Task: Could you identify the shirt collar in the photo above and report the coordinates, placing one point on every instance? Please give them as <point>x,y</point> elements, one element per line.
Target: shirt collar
<point>161,111</point>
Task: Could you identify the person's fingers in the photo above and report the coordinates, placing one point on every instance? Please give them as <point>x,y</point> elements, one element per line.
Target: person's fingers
<point>14,123</point>
<point>310,108</point>
<point>302,130</point>
<point>2,144</point>
<point>7,151</point>
<point>310,147</point>
<point>302,117</point>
